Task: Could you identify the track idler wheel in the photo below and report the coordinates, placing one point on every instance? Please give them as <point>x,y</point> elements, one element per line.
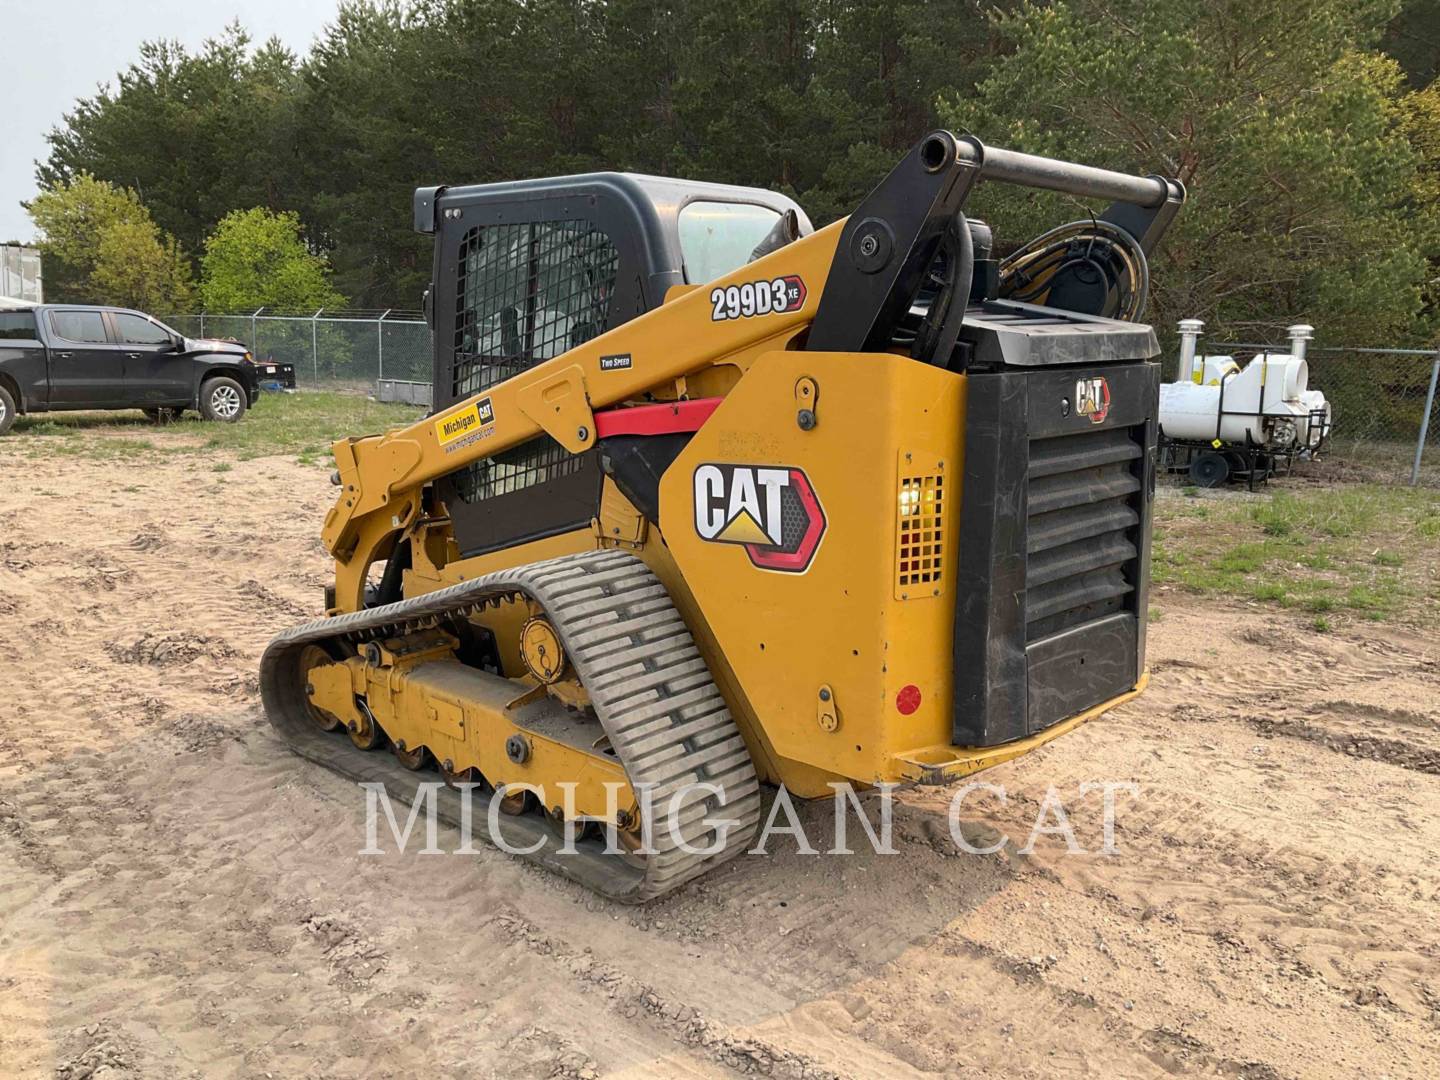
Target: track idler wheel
<point>311,657</point>
<point>540,650</point>
<point>515,803</point>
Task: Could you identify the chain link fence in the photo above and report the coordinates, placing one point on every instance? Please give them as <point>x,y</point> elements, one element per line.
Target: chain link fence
<point>1386,419</point>
<point>1386,416</point>
<point>349,350</point>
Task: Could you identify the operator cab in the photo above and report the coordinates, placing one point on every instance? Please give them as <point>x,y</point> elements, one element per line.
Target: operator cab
<point>527,270</point>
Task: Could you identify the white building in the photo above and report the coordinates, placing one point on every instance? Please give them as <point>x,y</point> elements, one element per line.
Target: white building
<point>20,277</point>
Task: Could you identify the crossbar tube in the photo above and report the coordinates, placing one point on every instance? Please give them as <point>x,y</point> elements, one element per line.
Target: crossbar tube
<point>1032,170</point>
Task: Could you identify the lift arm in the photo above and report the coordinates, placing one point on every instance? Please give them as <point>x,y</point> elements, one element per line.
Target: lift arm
<point>381,477</point>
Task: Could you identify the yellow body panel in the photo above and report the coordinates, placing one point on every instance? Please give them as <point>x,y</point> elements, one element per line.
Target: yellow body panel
<point>861,622</point>
<point>838,624</point>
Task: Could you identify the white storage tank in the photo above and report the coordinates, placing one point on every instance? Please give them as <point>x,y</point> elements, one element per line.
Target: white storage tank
<point>1268,403</point>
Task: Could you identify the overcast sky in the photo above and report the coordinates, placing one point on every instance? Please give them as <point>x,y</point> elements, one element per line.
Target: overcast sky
<point>56,51</point>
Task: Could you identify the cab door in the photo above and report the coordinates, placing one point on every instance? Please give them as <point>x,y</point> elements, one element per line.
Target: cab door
<point>87,370</point>
<point>156,372</point>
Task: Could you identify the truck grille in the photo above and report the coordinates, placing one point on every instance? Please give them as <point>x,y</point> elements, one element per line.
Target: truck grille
<point>1084,509</point>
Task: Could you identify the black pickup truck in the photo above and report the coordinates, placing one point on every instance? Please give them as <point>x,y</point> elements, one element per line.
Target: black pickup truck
<point>56,357</point>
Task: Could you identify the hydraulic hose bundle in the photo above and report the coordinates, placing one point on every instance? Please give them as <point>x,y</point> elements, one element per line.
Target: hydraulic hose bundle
<point>1090,266</point>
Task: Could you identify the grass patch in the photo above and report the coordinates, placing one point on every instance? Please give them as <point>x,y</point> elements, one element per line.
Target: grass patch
<point>301,425</point>
<point>1361,550</point>
<point>1271,590</point>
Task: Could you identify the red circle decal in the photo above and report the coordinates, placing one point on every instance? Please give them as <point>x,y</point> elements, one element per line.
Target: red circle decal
<point>908,699</point>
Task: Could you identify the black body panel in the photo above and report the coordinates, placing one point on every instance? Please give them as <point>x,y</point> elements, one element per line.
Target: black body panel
<point>532,491</point>
<point>637,462</point>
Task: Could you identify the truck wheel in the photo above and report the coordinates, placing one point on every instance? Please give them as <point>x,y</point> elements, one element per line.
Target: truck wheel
<point>222,399</point>
<point>7,411</point>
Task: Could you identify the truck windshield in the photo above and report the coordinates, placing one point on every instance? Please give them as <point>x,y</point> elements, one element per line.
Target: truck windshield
<point>718,237</point>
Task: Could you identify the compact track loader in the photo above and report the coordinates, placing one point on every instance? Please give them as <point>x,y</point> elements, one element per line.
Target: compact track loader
<point>710,499</point>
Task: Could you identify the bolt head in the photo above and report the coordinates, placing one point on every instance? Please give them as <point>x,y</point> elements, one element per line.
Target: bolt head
<point>517,749</point>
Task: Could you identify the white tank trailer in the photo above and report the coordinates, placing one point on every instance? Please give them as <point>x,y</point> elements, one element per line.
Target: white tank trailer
<point>1266,405</point>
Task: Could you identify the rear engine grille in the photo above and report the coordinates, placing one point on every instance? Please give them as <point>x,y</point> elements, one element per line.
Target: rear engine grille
<point>1084,509</point>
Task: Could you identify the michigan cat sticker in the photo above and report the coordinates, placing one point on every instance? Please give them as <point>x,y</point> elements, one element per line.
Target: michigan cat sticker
<point>474,422</point>
<point>770,511</point>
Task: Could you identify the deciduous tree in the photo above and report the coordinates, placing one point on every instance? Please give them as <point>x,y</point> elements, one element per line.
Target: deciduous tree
<point>100,246</point>
<point>256,258</point>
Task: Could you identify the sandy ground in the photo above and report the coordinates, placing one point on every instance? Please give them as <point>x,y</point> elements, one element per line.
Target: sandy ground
<point>181,897</point>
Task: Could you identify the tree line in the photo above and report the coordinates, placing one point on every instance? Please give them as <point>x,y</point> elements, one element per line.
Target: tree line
<point>1307,131</point>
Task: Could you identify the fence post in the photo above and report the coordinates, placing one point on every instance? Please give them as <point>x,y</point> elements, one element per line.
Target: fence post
<point>380,345</point>
<point>1425,421</point>
<point>254,333</point>
<point>202,322</point>
<point>315,344</point>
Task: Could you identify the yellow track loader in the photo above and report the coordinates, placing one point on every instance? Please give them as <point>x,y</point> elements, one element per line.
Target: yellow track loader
<point>710,499</point>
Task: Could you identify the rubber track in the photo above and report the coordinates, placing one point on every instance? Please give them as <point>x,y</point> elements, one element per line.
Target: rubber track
<point>648,683</point>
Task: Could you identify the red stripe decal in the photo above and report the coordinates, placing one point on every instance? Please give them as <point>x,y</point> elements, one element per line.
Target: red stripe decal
<point>666,418</point>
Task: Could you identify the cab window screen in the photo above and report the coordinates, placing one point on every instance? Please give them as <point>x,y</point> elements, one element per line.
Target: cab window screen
<point>716,237</point>
<point>82,326</point>
<point>527,292</point>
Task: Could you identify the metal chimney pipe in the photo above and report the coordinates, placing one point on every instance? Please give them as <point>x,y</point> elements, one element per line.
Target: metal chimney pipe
<point>1300,334</point>
<point>1189,337</point>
